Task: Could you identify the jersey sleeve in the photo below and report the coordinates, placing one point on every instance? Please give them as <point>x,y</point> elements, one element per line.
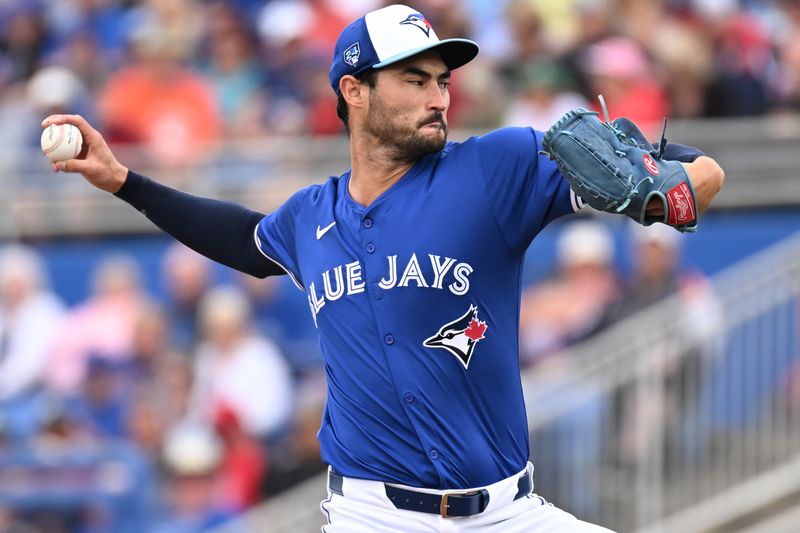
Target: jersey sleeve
<point>275,237</point>
<point>524,187</point>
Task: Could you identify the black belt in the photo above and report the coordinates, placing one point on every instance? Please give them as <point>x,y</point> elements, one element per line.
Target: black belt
<point>449,504</point>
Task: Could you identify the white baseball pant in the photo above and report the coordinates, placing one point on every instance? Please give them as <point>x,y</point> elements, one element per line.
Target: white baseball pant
<point>362,506</point>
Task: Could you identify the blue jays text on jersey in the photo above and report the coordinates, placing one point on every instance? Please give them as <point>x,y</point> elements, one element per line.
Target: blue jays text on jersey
<point>346,280</point>
<point>416,299</point>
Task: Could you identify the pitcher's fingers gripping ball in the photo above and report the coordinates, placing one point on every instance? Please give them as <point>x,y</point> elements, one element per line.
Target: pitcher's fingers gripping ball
<point>61,142</point>
<point>616,172</point>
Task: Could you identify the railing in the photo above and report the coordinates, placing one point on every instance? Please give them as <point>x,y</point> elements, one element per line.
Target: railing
<point>673,421</point>
<point>677,405</point>
<point>759,155</point>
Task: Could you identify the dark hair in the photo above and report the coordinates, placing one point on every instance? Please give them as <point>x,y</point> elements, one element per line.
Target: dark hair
<point>370,77</point>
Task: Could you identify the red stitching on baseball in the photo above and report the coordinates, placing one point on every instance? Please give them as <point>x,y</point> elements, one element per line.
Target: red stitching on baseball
<point>57,142</point>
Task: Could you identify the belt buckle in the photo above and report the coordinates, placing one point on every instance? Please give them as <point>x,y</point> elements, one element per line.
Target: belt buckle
<point>443,505</point>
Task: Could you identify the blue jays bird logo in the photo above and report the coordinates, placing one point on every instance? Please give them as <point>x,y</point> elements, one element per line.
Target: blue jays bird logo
<point>460,336</point>
<point>418,20</point>
<point>352,54</point>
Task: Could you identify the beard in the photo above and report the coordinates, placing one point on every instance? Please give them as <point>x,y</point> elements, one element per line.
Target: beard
<point>385,123</point>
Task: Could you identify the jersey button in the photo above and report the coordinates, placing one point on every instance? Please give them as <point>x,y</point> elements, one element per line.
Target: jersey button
<point>389,339</point>
<point>409,397</point>
<point>367,223</point>
<point>370,248</point>
<point>434,454</point>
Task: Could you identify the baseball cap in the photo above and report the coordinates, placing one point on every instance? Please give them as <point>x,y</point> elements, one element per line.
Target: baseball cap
<point>388,35</point>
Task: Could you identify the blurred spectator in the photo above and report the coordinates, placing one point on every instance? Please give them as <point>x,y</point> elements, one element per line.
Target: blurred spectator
<point>22,40</point>
<point>292,56</point>
<point>322,117</point>
<point>658,274</point>
<point>243,464</point>
<point>101,406</point>
<point>149,345</point>
<point>80,26</point>
<point>186,276</point>
<point>55,89</point>
<point>158,102</point>
<point>569,306</point>
<point>146,424</point>
<point>527,40</point>
<point>81,55</point>
<point>744,63</point>
<point>238,370</point>
<point>296,457</point>
<point>102,326</point>
<point>174,387</point>
<point>686,56</point>
<point>159,404</point>
<point>192,455</point>
<point>30,315</point>
<point>320,25</point>
<point>234,72</point>
<point>112,387</point>
<point>543,96</point>
<point>182,23</point>
<point>594,21</point>
<point>619,69</point>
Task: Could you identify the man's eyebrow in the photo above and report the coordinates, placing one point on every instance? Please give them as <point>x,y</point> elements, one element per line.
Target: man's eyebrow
<point>423,73</point>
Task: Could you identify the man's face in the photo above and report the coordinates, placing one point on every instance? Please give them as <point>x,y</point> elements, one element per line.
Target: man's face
<point>408,107</point>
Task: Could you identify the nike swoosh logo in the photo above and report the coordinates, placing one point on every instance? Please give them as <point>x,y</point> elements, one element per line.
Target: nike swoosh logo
<point>323,231</point>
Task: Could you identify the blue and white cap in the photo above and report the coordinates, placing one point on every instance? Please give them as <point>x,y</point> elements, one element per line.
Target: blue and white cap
<point>388,35</point>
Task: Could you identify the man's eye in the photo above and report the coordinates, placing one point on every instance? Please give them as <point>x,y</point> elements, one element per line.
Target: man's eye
<point>443,85</point>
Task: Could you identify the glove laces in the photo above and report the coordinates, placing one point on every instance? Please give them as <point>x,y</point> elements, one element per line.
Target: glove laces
<point>662,144</point>
<point>633,192</point>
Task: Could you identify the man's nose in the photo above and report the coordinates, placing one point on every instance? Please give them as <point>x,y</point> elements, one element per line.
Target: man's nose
<point>438,99</point>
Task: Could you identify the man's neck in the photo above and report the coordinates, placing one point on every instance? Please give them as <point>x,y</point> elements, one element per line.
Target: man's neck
<point>375,169</point>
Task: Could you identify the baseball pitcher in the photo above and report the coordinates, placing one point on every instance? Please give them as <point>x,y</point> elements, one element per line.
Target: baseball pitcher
<point>411,263</point>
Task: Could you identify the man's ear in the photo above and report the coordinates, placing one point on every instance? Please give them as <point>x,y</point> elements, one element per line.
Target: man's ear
<point>353,91</point>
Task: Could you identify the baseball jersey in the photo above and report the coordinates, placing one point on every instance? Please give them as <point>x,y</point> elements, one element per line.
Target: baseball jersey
<point>416,299</point>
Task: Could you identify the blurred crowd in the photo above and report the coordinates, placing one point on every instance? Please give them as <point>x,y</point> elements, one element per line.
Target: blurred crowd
<point>207,399</point>
<point>176,75</point>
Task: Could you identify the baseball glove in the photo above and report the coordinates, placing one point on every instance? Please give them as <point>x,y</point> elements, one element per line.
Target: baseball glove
<point>612,167</point>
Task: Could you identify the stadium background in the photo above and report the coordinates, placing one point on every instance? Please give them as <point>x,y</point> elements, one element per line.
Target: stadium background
<point>120,407</point>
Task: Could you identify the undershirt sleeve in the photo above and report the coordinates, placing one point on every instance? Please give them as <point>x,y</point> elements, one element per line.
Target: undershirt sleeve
<point>221,231</point>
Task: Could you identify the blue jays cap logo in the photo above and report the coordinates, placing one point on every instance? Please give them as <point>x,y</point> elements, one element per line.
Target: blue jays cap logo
<point>418,20</point>
<point>352,54</point>
<point>460,336</point>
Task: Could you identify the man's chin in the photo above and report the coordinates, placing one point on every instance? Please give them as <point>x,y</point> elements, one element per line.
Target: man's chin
<point>423,145</point>
<point>435,134</point>
<point>434,143</point>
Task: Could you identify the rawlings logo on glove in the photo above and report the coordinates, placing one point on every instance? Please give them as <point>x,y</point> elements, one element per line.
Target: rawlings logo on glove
<point>611,167</point>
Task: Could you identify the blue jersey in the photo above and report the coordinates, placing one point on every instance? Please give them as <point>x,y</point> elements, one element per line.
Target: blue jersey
<point>416,300</point>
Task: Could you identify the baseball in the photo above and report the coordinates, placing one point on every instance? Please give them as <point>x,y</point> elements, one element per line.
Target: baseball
<point>61,142</point>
